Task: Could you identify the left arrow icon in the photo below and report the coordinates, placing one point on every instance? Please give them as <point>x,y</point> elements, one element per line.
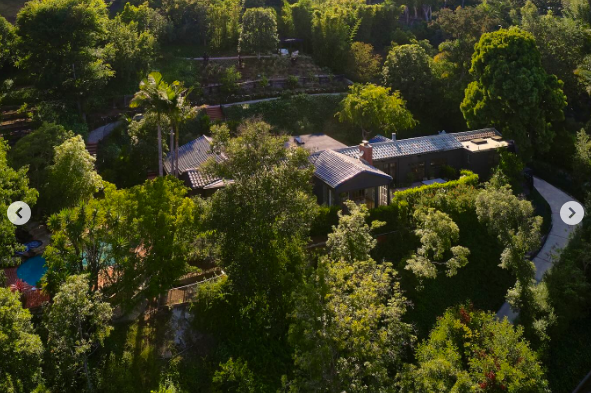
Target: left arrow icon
<point>19,213</point>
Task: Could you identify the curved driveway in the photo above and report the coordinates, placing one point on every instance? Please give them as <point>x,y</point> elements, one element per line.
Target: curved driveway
<point>557,238</point>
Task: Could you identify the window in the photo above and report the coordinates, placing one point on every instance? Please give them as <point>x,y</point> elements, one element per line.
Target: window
<point>436,165</point>
<point>418,171</point>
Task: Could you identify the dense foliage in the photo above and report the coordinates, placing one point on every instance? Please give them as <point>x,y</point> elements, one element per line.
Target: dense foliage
<point>296,297</point>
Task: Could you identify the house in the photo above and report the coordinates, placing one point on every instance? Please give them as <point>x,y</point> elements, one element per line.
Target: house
<point>373,169</point>
<point>192,156</point>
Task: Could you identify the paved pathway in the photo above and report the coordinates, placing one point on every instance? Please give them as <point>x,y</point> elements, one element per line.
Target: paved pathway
<point>95,136</point>
<point>276,98</point>
<point>231,57</point>
<point>557,238</point>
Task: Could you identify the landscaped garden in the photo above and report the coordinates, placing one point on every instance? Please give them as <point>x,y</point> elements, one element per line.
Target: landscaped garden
<point>183,249</point>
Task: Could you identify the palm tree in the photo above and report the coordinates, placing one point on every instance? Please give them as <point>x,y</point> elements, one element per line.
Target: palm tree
<point>179,111</point>
<point>155,96</point>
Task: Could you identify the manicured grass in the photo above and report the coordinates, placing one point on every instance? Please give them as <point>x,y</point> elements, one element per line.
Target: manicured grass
<point>569,358</point>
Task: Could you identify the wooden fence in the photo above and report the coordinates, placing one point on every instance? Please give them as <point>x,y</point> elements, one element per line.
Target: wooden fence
<point>184,294</point>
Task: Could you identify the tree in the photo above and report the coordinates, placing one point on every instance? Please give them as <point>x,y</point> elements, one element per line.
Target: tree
<point>7,42</point>
<point>234,376</point>
<point>347,329</point>
<point>72,177</point>
<point>129,52</point>
<point>22,351</point>
<point>229,80</point>
<point>223,18</point>
<point>14,186</point>
<point>437,233</point>
<point>513,222</point>
<point>331,38</point>
<point>470,350</point>
<point>513,92</point>
<point>372,108</point>
<point>364,65</point>
<point>153,96</point>
<point>258,32</point>
<point>569,282</point>
<point>263,256</point>
<point>179,110</point>
<point>563,44</point>
<point>137,241</point>
<point>271,197</point>
<point>59,42</point>
<point>77,323</point>
<point>582,157</point>
<point>408,70</point>
<point>146,18</point>
<point>37,151</point>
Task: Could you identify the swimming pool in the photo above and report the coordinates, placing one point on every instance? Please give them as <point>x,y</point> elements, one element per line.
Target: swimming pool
<point>31,270</point>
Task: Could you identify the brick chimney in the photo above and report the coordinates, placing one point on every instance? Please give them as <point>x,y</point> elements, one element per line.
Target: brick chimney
<point>366,151</point>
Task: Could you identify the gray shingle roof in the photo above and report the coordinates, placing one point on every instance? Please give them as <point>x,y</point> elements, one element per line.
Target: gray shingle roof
<point>193,155</point>
<point>476,134</point>
<point>421,145</point>
<point>335,168</point>
<point>199,179</point>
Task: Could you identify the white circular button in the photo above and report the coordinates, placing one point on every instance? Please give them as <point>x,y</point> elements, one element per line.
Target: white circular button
<point>572,213</point>
<point>19,213</point>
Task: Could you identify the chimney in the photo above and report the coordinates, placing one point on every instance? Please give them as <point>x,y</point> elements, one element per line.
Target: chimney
<point>394,136</point>
<point>366,152</point>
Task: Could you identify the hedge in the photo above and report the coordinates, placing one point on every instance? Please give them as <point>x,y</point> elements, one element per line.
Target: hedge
<point>398,212</point>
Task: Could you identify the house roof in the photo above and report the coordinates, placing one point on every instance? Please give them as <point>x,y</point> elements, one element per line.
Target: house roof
<point>476,134</point>
<point>196,179</point>
<point>193,155</point>
<point>421,145</point>
<point>335,168</point>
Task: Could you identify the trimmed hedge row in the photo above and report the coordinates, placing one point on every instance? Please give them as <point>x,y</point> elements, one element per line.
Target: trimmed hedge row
<point>398,212</point>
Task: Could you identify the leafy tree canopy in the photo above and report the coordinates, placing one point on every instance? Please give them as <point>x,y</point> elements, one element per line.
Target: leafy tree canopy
<point>513,92</point>
<point>258,33</point>
<point>37,150</point>
<point>14,186</point>
<point>72,177</point>
<point>437,233</point>
<point>77,322</point>
<point>373,108</point>
<point>470,350</point>
<point>58,42</point>
<point>348,332</point>
<point>22,351</point>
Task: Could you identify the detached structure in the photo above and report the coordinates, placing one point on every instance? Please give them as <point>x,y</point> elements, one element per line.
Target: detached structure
<point>369,172</point>
<point>192,156</point>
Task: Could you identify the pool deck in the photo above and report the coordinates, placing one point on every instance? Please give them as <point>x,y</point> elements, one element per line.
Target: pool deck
<point>32,297</point>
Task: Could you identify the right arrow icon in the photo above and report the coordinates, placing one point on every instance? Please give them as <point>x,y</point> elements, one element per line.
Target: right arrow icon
<point>572,213</point>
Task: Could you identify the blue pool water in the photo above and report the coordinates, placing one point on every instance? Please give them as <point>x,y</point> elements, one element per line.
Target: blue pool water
<point>31,270</point>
